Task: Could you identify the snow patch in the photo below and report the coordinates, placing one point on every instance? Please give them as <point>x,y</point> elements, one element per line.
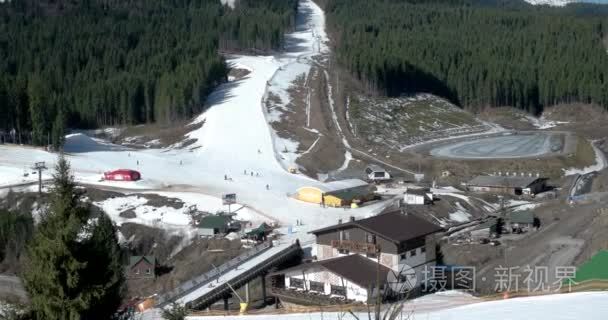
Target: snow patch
<point>543,123</point>
<point>600,163</point>
<point>553,3</point>
<point>461,215</point>
<point>229,3</point>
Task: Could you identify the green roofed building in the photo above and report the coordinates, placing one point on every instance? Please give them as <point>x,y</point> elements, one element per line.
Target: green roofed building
<point>595,268</point>
<point>141,267</point>
<point>214,224</point>
<point>260,233</point>
<point>521,221</point>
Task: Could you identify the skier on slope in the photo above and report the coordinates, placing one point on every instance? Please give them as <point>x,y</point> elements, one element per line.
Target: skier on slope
<point>267,187</point>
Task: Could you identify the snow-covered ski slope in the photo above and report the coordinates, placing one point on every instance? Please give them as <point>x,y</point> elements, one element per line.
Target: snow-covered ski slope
<point>234,138</point>
<point>308,45</point>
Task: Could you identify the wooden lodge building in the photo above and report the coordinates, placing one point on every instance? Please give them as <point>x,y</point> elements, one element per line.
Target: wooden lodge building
<point>514,185</point>
<point>351,254</point>
<point>398,237</point>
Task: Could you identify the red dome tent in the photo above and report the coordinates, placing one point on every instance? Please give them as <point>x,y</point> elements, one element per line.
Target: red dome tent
<point>122,175</point>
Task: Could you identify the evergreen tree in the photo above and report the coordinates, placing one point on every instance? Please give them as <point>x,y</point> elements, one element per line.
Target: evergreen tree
<point>37,97</point>
<point>58,130</point>
<point>102,69</point>
<point>73,270</point>
<point>175,312</point>
<point>475,53</point>
<point>15,231</point>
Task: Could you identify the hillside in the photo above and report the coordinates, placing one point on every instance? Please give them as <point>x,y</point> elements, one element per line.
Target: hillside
<point>96,63</point>
<point>475,54</point>
<point>398,123</point>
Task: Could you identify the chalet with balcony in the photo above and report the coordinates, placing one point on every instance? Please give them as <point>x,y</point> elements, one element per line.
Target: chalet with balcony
<point>397,237</point>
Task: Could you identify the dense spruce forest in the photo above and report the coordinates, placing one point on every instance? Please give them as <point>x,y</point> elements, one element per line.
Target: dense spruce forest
<point>107,62</point>
<point>475,53</point>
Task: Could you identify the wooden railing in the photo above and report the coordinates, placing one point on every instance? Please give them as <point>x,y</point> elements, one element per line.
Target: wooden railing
<point>354,246</point>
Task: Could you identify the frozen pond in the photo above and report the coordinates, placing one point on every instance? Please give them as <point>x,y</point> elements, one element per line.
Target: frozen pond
<point>514,145</point>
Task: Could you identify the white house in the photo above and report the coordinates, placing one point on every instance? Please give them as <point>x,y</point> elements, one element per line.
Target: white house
<point>351,278</point>
<point>376,173</point>
<point>417,196</point>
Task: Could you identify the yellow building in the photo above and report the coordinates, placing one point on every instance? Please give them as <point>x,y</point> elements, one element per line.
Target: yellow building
<point>337,193</point>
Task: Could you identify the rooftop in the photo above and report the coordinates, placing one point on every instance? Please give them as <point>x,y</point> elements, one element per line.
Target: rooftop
<point>261,229</point>
<point>375,168</point>
<point>341,185</point>
<point>420,192</point>
<point>522,217</point>
<point>394,226</point>
<point>133,260</point>
<point>122,171</point>
<point>503,181</point>
<point>350,194</point>
<point>214,221</point>
<point>355,268</point>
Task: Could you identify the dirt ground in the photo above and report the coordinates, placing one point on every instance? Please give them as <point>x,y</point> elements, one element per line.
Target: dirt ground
<point>568,236</point>
<point>153,136</point>
<point>316,136</point>
<point>176,264</point>
<point>191,261</point>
